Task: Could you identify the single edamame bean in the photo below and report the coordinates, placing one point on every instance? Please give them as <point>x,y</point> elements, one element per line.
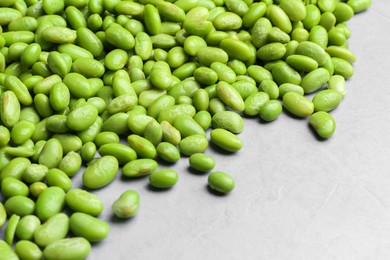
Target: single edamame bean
<point>221,182</point>
<point>28,250</point>
<point>201,162</point>
<point>19,205</point>
<point>163,179</point>
<point>10,229</point>
<point>314,80</point>
<point>81,200</point>
<point>56,177</point>
<point>254,102</point>
<point>139,167</point>
<point>76,248</point>
<point>50,202</point>
<point>3,215</point>
<point>53,229</point>
<point>337,83</point>
<point>80,224</point>
<point>27,226</point>
<point>270,110</point>
<point>13,187</point>
<point>100,172</point>
<point>228,120</point>
<point>121,152</point>
<point>127,205</point>
<point>143,147</point>
<point>323,123</point>
<point>7,253</point>
<point>225,140</point>
<point>168,152</point>
<point>326,100</point>
<point>297,104</point>
<point>193,144</point>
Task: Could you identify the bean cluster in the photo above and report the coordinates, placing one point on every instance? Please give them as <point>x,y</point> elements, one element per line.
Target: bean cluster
<point>107,86</point>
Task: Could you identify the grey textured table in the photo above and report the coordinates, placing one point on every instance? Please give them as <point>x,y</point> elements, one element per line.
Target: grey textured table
<point>296,197</point>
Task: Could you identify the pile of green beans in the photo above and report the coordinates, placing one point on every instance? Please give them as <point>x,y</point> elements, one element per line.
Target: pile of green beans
<point>108,86</point>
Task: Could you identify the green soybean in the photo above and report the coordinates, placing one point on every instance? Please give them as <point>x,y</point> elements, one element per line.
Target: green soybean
<point>76,248</point>
<point>163,179</point>
<point>297,104</point>
<point>84,201</point>
<point>201,162</point>
<point>80,223</point>
<point>323,123</point>
<point>221,182</point>
<point>27,226</point>
<point>100,172</point>
<point>225,140</point>
<point>127,205</point>
<point>54,228</point>
<point>28,250</point>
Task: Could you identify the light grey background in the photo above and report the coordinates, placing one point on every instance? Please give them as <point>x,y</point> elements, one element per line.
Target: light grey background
<point>296,197</point>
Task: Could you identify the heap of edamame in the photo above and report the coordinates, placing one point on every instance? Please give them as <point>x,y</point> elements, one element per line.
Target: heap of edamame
<point>112,85</point>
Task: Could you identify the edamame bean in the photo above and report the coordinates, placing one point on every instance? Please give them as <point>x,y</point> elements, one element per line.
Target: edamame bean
<point>50,202</point>
<point>53,229</point>
<point>221,182</point>
<point>121,152</point>
<point>323,123</point>
<point>228,120</point>
<point>326,100</point>
<point>314,80</point>
<point>81,200</point>
<point>76,248</point>
<point>7,252</point>
<point>27,226</point>
<point>168,152</point>
<point>201,162</point>
<point>127,205</point>
<point>19,205</point>
<point>337,83</point>
<point>143,147</point>
<point>28,250</point>
<point>297,104</point>
<point>225,140</point>
<point>3,215</point>
<point>270,110</point>
<point>163,179</point>
<point>80,224</point>
<point>100,172</point>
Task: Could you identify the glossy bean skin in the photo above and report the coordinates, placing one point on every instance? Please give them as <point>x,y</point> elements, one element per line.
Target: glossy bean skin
<point>27,226</point>
<point>76,248</point>
<point>228,120</point>
<point>270,110</point>
<point>221,182</point>
<point>50,202</point>
<point>168,152</point>
<point>83,201</point>
<point>225,140</point>
<point>323,124</point>
<point>201,162</point>
<point>163,179</point>
<point>54,228</point>
<point>28,250</point>
<point>80,223</point>
<point>193,144</point>
<point>127,205</point>
<point>19,205</point>
<point>7,251</point>
<point>101,172</point>
<point>297,104</point>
